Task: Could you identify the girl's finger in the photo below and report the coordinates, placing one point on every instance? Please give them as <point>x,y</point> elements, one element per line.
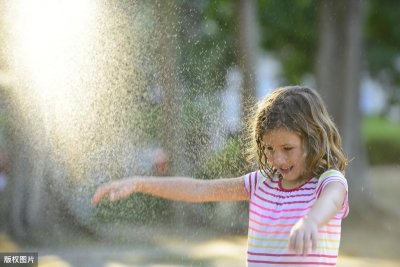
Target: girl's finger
<point>119,193</point>
<point>112,196</point>
<point>98,196</point>
<point>299,243</point>
<point>307,244</point>
<point>292,242</point>
<point>314,241</point>
<point>100,193</point>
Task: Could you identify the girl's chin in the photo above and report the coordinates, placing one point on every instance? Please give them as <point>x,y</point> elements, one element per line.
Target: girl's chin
<point>290,177</point>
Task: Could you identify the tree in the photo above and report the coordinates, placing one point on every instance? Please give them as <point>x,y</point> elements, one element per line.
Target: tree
<point>338,72</point>
<point>288,31</point>
<point>165,60</point>
<point>247,50</point>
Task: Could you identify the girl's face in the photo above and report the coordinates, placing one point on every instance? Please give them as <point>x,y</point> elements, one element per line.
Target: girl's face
<point>286,154</point>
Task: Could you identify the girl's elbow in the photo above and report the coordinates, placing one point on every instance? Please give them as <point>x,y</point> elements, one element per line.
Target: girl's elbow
<point>337,201</point>
<point>337,204</point>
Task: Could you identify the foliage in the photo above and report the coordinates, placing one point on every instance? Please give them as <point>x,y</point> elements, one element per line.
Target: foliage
<point>382,139</point>
<point>204,50</point>
<point>289,29</point>
<point>383,37</point>
<point>137,209</point>
<point>206,44</point>
<point>228,162</point>
<point>381,42</point>
<point>142,209</point>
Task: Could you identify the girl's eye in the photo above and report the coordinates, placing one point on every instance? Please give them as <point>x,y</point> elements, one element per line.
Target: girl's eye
<point>288,148</point>
<point>269,148</point>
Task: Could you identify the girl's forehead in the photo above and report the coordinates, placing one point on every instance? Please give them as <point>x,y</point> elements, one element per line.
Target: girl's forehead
<point>281,136</point>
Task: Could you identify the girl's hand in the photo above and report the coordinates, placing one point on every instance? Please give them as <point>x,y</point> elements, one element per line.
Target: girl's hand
<point>303,236</point>
<point>114,190</point>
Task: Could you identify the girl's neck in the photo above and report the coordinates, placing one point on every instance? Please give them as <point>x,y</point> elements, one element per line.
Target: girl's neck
<point>289,185</point>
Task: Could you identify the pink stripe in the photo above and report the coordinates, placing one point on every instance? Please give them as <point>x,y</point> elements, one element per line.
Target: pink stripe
<point>246,187</point>
<point>290,255</point>
<point>294,262</point>
<point>322,186</point>
<point>334,225</point>
<point>327,180</point>
<point>289,196</point>
<point>278,211</point>
<point>289,202</point>
<point>269,232</point>
<point>270,187</point>
<point>292,217</point>
<point>276,218</point>
<point>298,189</point>
<point>271,225</point>
<point>291,224</point>
<point>251,192</point>
<point>329,232</point>
<point>336,218</point>
<point>287,225</point>
<point>255,181</point>
<point>346,211</point>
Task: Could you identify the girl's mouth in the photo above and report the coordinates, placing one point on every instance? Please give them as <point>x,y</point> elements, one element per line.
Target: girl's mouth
<point>285,171</point>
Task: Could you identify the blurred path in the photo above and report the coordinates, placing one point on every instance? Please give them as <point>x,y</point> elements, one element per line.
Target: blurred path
<point>6,244</point>
<point>229,252</point>
<point>345,261</point>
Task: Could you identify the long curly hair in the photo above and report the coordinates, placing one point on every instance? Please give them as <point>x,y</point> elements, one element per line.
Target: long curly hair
<point>302,111</point>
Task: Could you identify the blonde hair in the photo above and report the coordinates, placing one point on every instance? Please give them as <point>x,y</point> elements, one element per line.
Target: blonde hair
<point>300,110</point>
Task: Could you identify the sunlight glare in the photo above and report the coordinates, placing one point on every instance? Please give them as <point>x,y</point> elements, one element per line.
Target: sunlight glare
<point>49,40</point>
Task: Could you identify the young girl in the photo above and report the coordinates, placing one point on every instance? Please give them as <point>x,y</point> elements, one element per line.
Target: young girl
<point>297,198</point>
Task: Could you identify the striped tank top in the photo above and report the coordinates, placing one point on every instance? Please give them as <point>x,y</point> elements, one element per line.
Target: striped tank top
<point>274,210</point>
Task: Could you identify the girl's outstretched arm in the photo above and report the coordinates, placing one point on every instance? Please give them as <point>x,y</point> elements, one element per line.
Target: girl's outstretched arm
<point>174,188</point>
<point>303,236</point>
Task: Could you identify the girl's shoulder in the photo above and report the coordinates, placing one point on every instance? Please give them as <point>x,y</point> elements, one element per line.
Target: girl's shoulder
<point>259,175</point>
<point>331,175</point>
<point>256,178</point>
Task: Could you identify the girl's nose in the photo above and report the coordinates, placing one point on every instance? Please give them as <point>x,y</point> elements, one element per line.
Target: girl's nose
<point>278,159</point>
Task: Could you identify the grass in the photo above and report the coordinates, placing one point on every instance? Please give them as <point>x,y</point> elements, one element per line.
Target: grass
<point>382,140</point>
